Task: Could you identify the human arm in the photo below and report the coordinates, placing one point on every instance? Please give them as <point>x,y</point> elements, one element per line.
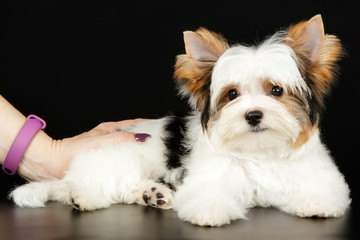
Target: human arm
<point>47,158</point>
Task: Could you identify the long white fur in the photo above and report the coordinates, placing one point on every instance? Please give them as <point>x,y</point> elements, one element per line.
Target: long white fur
<point>229,169</point>
<point>244,65</point>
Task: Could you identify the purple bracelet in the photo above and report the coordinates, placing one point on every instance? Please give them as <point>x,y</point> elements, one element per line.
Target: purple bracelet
<point>32,125</point>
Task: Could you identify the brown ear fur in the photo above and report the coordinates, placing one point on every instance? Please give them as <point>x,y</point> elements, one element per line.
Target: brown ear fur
<point>318,54</point>
<point>193,70</point>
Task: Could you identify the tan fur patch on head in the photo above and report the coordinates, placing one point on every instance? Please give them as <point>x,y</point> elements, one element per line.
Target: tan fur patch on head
<point>304,136</point>
<point>193,70</point>
<point>297,106</point>
<point>223,98</point>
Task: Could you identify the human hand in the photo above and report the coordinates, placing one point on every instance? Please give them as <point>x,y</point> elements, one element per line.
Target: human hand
<point>57,160</point>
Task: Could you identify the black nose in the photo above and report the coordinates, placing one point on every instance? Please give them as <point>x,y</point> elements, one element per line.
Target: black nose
<point>253,117</point>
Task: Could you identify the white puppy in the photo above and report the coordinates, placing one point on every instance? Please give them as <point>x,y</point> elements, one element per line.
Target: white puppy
<point>252,138</point>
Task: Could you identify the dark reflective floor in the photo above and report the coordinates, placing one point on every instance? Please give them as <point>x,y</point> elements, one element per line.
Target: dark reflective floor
<point>57,221</point>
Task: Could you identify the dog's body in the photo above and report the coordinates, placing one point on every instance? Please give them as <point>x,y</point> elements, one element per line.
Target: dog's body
<point>252,139</point>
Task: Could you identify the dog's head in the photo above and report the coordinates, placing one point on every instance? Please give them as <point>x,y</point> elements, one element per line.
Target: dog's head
<point>253,97</point>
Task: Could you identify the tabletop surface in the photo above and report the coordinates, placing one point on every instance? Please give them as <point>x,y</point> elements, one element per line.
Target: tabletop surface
<point>57,221</point>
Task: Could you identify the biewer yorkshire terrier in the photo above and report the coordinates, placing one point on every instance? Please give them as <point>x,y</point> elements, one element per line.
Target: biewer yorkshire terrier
<point>252,138</point>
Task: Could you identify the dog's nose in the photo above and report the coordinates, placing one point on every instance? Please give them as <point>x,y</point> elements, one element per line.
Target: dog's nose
<point>253,117</point>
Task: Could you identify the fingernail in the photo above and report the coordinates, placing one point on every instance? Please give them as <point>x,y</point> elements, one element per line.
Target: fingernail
<point>141,137</point>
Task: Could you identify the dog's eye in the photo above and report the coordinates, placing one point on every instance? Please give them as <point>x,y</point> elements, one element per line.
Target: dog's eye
<point>232,94</point>
<point>277,91</point>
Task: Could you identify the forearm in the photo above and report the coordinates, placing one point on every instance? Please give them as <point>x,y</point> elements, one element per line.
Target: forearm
<point>11,122</point>
<point>38,151</point>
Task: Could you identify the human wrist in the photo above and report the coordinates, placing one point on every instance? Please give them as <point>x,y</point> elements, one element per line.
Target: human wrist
<point>24,137</point>
<point>37,161</point>
<point>36,155</point>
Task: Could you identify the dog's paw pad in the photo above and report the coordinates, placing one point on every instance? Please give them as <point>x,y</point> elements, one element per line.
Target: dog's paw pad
<point>159,196</point>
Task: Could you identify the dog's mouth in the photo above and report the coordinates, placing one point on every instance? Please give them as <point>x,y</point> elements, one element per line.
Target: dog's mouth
<point>258,129</point>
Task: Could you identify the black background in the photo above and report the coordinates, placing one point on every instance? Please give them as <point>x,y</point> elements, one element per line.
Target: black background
<point>79,63</point>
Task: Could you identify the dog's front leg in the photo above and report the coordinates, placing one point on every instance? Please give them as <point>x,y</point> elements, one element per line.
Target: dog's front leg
<point>213,200</point>
<point>206,205</point>
<point>318,193</point>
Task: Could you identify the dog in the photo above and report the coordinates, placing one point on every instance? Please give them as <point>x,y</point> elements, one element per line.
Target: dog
<point>251,139</point>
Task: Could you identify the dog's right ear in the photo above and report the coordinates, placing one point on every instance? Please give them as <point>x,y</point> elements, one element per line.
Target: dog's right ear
<point>193,70</point>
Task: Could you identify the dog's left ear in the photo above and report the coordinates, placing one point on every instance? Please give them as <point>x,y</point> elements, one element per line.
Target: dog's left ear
<point>193,70</point>
<point>317,53</point>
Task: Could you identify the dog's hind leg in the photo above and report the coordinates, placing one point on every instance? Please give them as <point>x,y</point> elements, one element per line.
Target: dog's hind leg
<point>147,192</point>
<point>88,199</point>
<point>151,193</point>
<point>36,194</point>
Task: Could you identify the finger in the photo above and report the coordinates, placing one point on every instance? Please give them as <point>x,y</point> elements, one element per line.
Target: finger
<point>105,127</point>
<point>141,137</point>
<point>127,123</point>
<point>124,136</point>
<point>108,127</point>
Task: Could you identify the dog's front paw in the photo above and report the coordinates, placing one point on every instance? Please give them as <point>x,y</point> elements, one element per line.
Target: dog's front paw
<point>210,214</point>
<point>157,195</point>
<point>319,209</point>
